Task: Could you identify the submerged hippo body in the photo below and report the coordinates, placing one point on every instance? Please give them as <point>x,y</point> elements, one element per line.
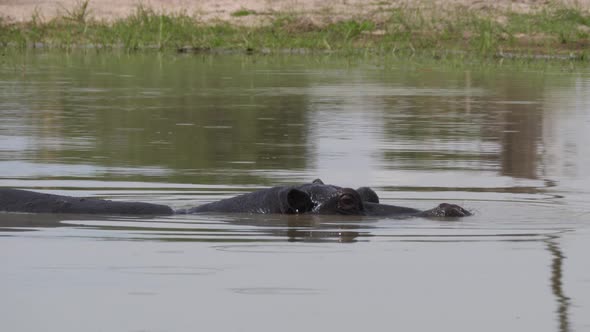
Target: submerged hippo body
<point>310,198</point>
<point>16,200</point>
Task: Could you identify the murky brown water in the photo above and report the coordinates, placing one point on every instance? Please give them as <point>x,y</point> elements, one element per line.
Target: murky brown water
<point>508,142</point>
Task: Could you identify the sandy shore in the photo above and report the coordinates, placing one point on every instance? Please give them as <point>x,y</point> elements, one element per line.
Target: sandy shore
<point>210,10</point>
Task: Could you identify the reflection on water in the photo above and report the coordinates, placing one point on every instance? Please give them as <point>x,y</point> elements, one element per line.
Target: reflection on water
<point>507,143</point>
<point>257,120</point>
<point>557,285</point>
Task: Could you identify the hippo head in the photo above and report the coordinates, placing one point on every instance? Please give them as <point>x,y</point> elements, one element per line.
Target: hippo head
<point>343,201</point>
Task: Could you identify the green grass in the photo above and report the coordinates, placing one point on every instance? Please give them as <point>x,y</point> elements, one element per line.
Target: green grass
<point>243,12</point>
<point>435,31</point>
<point>78,14</point>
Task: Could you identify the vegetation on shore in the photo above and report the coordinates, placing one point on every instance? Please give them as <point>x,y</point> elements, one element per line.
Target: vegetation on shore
<point>554,31</point>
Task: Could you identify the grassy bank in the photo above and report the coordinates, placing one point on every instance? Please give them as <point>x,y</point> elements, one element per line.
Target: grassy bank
<point>554,31</point>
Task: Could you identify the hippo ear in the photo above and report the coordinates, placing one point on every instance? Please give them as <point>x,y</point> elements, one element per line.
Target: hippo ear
<point>368,195</point>
<point>294,201</point>
<point>317,181</point>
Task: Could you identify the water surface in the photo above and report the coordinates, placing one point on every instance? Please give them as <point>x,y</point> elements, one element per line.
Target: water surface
<point>507,142</point>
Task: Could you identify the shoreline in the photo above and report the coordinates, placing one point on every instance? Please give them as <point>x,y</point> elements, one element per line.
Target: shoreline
<point>208,11</point>
<point>435,28</point>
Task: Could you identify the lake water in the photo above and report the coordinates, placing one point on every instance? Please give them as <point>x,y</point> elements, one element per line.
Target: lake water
<point>508,142</point>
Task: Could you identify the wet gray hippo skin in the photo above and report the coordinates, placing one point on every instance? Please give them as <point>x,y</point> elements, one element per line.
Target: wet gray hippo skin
<point>312,198</point>
<point>15,200</point>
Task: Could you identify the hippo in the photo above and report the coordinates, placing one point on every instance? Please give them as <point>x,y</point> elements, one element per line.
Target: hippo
<point>309,198</point>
